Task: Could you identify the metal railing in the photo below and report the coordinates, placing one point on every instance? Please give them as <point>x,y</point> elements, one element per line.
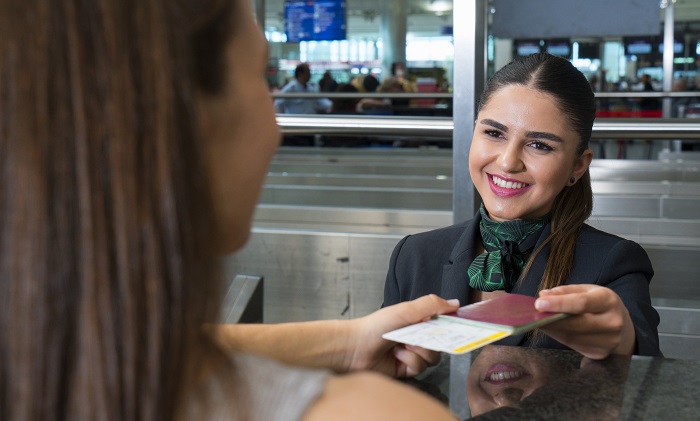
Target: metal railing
<point>361,95</point>
<point>438,127</point>
<point>446,95</point>
<point>442,127</point>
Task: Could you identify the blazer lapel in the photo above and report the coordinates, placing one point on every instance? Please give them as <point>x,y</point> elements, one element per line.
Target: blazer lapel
<point>455,282</point>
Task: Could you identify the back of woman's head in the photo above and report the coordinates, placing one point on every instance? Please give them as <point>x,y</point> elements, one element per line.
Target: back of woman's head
<point>556,77</point>
<point>106,239</point>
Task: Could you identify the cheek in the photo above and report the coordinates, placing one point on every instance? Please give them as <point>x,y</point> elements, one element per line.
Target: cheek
<point>478,156</point>
<point>234,198</point>
<point>556,174</point>
<point>239,167</point>
<point>259,120</point>
<point>246,139</point>
<point>551,179</point>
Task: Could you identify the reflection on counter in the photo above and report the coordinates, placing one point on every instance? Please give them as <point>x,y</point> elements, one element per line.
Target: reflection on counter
<point>517,383</point>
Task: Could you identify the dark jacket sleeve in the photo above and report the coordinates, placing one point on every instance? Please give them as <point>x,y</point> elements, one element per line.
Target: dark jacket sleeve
<point>622,265</point>
<point>627,270</point>
<point>416,267</point>
<point>392,293</point>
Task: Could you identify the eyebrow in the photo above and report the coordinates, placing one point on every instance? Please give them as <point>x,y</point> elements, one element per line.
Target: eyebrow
<point>495,124</point>
<point>536,135</point>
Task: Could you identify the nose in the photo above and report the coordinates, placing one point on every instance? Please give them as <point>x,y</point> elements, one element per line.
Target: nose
<point>508,397</point>
<point>510,159</point>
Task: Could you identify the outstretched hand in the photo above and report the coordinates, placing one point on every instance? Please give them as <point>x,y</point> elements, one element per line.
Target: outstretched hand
<point>600,324</point>
<point>372,352</point>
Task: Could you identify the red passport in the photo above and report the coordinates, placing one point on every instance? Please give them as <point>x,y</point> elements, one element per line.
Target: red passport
<point>511,312</point>
<point>476,325</point>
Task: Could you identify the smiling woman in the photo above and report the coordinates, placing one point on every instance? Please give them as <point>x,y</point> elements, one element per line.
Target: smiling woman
<point>529,162</point>
<point>523,154</point>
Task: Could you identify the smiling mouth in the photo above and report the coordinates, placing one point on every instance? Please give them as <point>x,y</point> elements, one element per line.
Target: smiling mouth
<point>504,375</point>
<point>507,184</point>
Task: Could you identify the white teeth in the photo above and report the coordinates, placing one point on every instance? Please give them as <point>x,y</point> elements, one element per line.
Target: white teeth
<point>507,184</point>
<point>506,375</point>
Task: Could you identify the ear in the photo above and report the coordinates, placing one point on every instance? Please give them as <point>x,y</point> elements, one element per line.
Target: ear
<point>582,163</point>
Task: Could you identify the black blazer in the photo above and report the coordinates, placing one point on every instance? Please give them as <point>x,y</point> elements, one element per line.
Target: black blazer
<point>436,262</point>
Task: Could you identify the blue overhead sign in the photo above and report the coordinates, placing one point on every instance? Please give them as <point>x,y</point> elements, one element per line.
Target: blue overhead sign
<point>314,20</point>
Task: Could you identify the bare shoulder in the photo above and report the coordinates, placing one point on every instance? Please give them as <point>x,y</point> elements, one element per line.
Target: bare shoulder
<point>371,396</point>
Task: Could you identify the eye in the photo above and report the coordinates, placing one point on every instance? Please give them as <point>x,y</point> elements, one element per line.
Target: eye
<point>493,133</point>
<point>540,146</point>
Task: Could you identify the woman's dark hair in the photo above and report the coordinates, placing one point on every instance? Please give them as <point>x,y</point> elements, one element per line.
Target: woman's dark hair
<point>107,245</point>
<point>570,89</point>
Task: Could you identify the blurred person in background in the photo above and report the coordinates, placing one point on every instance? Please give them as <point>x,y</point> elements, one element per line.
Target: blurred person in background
<point>383,106</point>
<point>648,103</point>
<point>327,83</point>
<point>302,85</point>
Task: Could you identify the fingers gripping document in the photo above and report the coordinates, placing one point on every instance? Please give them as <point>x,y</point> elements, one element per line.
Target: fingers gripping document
<point>476,325</point>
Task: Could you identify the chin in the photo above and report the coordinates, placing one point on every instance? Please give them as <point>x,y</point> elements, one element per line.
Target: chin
<point>499,213</point>
<point>236,240</point>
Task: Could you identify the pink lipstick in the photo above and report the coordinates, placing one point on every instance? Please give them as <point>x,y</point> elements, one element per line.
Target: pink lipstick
<point>506,187</point>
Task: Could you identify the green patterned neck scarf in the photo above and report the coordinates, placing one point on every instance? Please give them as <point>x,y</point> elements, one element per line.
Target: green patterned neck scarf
<point>507,244</point>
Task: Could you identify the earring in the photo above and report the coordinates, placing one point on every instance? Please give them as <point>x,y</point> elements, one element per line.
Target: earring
<point>572,180</point>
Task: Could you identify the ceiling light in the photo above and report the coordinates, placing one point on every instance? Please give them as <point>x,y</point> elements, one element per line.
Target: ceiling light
<point>439,6</point>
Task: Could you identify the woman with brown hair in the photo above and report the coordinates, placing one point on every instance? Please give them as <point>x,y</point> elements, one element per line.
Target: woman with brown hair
<point>134,140</point>
<point>529,161</point>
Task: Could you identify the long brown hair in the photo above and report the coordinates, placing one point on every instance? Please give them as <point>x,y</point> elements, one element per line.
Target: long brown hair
<point>107,245</point>
<point>557,77</point>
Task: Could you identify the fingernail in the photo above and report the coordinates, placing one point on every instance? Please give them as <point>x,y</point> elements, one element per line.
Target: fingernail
<point>541,304</point>
<point>453,302</point>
